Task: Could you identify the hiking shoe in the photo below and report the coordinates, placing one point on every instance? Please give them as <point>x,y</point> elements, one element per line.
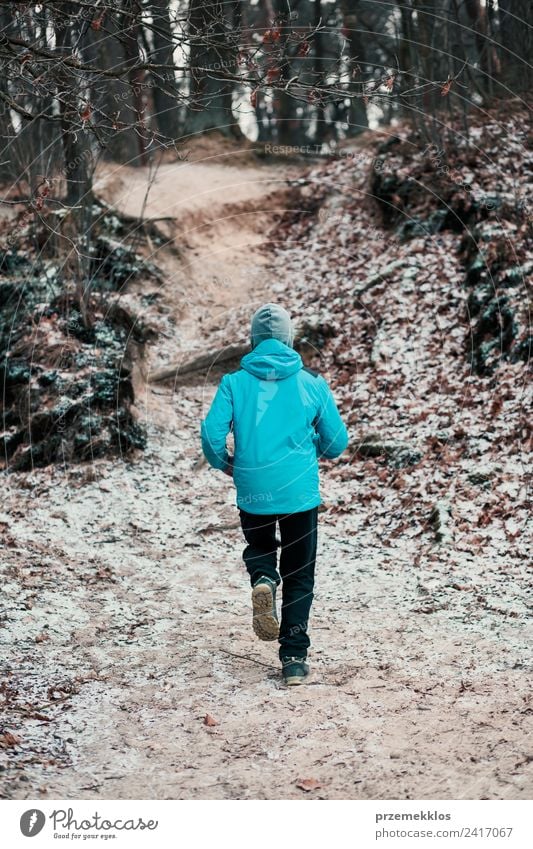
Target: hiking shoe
<point>265,619</point>
<point>294,670</point>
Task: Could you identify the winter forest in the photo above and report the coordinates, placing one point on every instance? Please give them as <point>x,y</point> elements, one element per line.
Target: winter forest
<point>167,166</point>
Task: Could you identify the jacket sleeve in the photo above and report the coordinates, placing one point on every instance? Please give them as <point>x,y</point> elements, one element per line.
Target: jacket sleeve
<point>332,433</point>
<point>216,426</point>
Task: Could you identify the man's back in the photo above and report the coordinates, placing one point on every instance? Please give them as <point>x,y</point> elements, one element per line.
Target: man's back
<point>283,417</point>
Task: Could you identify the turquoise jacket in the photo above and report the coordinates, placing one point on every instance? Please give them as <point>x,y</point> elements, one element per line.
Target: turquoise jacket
<point>283,418</point>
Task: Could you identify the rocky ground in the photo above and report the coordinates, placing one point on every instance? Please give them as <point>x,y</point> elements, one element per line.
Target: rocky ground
<point>130,667</point>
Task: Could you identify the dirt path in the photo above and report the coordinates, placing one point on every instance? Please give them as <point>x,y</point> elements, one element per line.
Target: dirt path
<point>220,215</point>
<point>127,613</point>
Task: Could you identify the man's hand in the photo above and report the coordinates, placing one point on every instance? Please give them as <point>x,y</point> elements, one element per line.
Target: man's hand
<point>229,468</point>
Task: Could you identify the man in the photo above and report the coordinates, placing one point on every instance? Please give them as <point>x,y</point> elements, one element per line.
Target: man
<point>283,417</point>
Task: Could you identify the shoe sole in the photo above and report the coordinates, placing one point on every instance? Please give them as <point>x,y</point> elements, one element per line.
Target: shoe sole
<point>264,623</point>
<point>295,680</point>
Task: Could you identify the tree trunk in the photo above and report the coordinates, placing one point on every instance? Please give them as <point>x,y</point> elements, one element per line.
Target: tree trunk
<point>76,145</point>
<point>487,56</point>
<point>357,117</point>
<point>7,130</point>
<point>318,69</point>
<point>165,92</point>
<point>428,55</point>
<point>130,33</point>
<point>211,57</point>
<point>112,98</point>
<point>516,38</point>
<point>287,125</point>
<point>78,164</point>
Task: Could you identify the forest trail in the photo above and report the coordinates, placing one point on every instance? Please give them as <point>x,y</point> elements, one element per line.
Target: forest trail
<point>134,670</point>
<point>219,209</point>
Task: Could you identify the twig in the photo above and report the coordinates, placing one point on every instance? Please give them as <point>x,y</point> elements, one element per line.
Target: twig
<point>249,659</point>
<point>380,276</point>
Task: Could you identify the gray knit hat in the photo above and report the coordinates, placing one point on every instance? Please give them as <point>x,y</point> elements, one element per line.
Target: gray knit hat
<point>272,322</point>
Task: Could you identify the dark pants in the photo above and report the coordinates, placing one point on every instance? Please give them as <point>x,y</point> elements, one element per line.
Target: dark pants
<point>298,533</point>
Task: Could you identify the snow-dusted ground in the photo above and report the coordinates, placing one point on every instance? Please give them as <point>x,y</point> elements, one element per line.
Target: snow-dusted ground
<point>126,620</point>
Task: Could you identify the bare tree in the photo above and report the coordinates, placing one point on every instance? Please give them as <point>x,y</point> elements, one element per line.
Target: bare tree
<point>516,40</point>
<point>212,65</point>
<point>161,51</point>
<point>357,117</point>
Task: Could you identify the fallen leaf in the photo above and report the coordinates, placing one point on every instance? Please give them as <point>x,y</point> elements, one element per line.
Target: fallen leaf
<point>272,74</point>
<point>41,638</point>
<point>96,23</point>
<point>308,784</point>
<point>512,529</point>
<point>210,720</point>
<point>7,740</point>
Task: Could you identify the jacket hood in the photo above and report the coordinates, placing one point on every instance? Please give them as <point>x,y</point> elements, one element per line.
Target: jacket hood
<point>271,321</point>
<point>272,360</point>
